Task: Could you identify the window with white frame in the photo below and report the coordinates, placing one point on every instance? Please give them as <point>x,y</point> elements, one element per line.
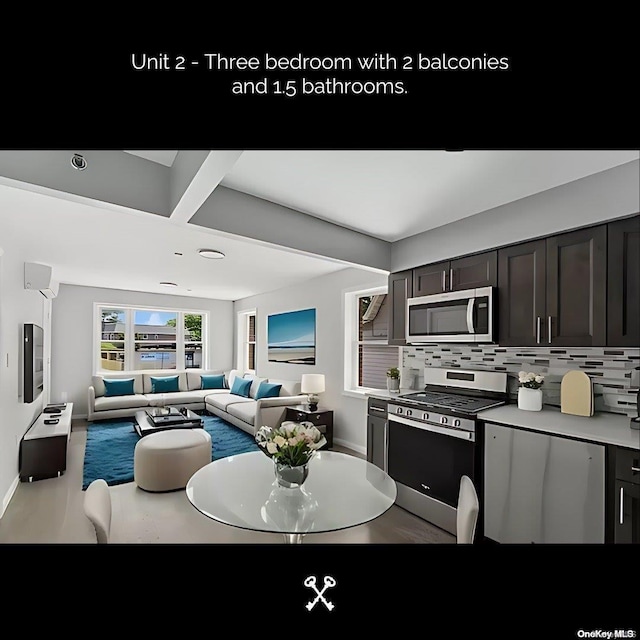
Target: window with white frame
<point>247,341</point>
<point>141,339</point>
<point>367,354</point>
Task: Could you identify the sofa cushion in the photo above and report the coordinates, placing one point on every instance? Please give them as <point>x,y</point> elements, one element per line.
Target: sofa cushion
<point>146,379</point>
<point>165,384</point>
<point>245,411</point>
<point>268,390</point>
<point>193,377</point>
<point>213,381</point>
<point>223,400</point>
<point>241,387</point>
<point>289,387</point>
<point>97,382</point>
<point>121,402</point>
<point>255,383</point>
<point>123,387</point>
<point>177,397</point>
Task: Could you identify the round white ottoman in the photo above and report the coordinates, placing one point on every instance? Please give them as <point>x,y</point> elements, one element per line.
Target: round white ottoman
<point>165,461</point>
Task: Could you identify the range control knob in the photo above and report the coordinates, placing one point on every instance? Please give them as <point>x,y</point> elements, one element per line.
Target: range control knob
<point>456,423</point>
<point>409,412</point>
<point>425,416</point>
<point>399,410</point>
<point>443,420</point>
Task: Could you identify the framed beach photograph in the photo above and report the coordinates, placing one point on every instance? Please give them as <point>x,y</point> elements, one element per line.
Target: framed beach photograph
<point>291,337</point>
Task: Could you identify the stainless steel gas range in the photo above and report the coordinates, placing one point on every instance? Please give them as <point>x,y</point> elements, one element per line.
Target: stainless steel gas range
<point>431,439</point>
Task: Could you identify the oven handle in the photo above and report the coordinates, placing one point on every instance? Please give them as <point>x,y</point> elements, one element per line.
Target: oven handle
<point>447,431</point>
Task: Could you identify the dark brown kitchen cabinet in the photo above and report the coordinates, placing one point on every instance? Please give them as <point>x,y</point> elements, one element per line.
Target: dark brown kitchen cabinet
<point>623,283</point>
<point>522,294</point>
<point>400,288</point>
<point>576,275</point>
<point>553,291</point>
<point>470,272</point>
<point>430,279</point>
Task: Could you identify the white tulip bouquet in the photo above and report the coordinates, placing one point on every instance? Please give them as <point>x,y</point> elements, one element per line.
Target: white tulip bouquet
<point>530,380</point>
<point>292,444</point>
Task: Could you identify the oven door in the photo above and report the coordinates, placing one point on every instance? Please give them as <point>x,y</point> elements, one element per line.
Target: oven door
<point>459,316</point>
<point>428,458</point>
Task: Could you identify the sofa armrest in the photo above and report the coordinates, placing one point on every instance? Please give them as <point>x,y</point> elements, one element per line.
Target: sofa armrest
<point>91,404</point>
<point>270,411</point>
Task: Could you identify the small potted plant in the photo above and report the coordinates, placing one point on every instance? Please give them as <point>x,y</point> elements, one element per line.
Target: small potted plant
<point>529,391</point>
<point>393,380</point>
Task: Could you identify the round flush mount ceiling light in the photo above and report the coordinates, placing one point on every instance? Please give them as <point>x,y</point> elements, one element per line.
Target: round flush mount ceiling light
<point>211,254</point>
<point>78,162</point>
<point>169,284</point>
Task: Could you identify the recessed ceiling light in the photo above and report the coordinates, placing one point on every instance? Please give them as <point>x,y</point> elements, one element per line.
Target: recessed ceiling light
<point>169,284</point>
<point>211,254</point>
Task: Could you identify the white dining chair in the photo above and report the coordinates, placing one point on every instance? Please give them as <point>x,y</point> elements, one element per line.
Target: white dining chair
<point>468,507</point>
<point>97,507</point>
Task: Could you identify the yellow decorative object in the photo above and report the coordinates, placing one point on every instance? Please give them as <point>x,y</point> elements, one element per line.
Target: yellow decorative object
<point>576,394</point>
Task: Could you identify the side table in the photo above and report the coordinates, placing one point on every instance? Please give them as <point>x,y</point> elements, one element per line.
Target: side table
<point>321,418</point>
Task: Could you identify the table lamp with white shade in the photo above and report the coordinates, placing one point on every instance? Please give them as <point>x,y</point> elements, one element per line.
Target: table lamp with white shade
<point>312,384</point>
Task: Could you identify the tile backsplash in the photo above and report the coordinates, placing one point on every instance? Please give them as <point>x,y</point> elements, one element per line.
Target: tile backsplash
<point>615,372</point>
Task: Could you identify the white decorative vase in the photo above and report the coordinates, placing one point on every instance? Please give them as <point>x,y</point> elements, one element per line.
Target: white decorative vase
<point>529,399</point>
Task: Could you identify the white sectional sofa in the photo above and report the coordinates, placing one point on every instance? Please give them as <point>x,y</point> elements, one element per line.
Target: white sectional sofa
<point>247,413</point>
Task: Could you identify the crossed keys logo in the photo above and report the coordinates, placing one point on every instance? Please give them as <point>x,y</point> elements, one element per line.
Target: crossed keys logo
<point>310,582</point>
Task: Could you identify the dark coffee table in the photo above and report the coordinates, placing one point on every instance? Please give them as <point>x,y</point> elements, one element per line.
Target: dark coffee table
<point>146,424</point>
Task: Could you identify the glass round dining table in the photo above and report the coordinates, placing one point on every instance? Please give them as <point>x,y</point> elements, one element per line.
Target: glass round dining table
<point>341,491</point>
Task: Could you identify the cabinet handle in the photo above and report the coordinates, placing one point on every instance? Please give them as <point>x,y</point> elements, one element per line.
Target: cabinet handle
<point>444,280</point>
<point>549,327</point>
<point>538,325</point>
<point>621,505</point>
<point>450,279</point>
<point>635,469</point>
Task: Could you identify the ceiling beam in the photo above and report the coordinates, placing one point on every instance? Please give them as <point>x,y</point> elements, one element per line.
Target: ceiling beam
<point>194,176</point>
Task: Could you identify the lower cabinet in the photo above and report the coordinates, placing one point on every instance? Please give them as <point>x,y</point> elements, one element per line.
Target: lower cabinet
<point>626,511</point>
<point>540,488</point>
<point>377,432</point>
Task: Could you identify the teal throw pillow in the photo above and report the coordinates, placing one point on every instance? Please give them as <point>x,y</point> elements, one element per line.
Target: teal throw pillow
<point>241,387</point>
<point>268,390</point>
<point>212,382</point>
<point>123,387</point>
<point>166,384</point>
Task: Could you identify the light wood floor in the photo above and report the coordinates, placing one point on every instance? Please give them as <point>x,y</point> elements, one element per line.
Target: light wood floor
<point>50,511</point>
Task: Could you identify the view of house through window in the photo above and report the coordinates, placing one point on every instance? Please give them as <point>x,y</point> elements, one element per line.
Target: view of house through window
<point>375,356</point>
<point>147,339</point>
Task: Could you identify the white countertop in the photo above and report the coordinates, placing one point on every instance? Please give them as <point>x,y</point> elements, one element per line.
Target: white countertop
<point>607,428</point>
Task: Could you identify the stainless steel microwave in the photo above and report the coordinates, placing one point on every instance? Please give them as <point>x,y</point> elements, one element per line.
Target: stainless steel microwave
<point>457,316</point>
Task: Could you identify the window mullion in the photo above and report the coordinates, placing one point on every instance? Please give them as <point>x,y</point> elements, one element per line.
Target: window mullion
<point>129,344</point>
<point>180,349</point>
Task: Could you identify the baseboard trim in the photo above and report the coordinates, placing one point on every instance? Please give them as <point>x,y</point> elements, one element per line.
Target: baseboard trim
<point>7,497</point>
<point>350,445</point>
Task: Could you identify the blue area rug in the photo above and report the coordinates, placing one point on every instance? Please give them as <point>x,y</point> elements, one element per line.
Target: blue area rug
<point>110,446</point>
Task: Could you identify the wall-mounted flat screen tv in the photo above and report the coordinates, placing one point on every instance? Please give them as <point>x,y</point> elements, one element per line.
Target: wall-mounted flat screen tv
<point>33,365</point>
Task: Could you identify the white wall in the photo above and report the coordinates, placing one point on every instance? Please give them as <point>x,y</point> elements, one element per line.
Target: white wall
<point>325,294</point>
<point>72,334</point>
<point>603,196</point>
<point>17,306</point>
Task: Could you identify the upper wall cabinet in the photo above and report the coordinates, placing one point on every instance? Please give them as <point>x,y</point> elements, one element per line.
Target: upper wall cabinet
<point>623,283</point>
<point>470,272</point>
<point>400,288</point>
<point>553,291</point>
<point>577,288</point>
<point>521,294</point>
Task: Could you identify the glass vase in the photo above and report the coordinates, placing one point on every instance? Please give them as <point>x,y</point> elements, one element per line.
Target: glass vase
<point>291,477</point>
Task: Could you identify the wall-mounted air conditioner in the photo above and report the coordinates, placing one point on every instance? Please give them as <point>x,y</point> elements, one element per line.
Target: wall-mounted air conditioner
<point>38,277</point>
